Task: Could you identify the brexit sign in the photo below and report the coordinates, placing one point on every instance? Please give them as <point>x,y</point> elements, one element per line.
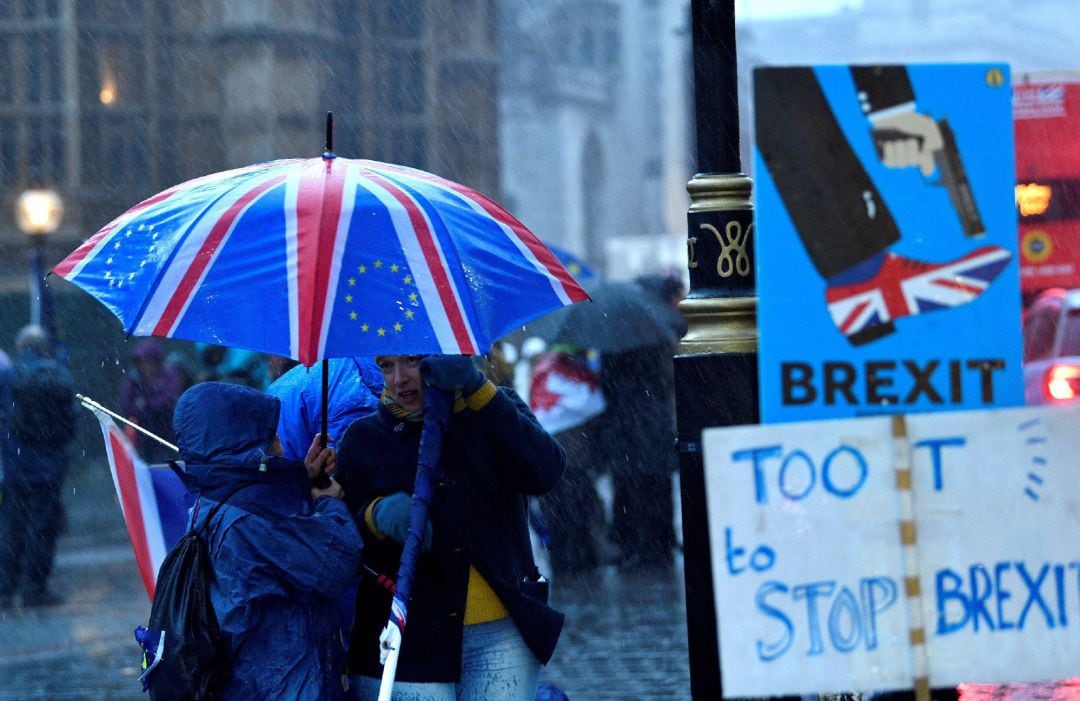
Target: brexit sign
<point>892,552</point>
<point>886,236</point>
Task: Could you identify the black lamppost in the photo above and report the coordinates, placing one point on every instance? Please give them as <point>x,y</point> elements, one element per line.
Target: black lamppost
<point>716,365</point>
<point>38,212</point>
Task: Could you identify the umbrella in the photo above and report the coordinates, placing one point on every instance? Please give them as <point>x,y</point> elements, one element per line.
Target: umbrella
<point>582,271</point>
<point>620,317</point>
<point>322,258</point>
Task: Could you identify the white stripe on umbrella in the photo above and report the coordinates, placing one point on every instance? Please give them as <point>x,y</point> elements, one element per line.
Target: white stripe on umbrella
<point>289,206</point>
<point>182,277</point>
<point>423,252</point>
<point>526,242</point>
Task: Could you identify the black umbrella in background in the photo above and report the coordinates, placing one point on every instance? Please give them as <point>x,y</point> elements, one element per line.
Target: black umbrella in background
<point>619,317</point>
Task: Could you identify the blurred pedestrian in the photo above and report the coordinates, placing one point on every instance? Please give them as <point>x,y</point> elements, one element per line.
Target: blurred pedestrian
<point>37,411</point>
<point>233,365</point>
<point>282,551</point>
<point>478,614</point>
<point>148,393</point>
<point>569,403</point>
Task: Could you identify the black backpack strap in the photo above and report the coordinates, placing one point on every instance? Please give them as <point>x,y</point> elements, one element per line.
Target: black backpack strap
<point>217,507</point>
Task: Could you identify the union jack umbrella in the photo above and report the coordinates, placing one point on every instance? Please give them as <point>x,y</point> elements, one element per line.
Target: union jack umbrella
<point>322,257</point>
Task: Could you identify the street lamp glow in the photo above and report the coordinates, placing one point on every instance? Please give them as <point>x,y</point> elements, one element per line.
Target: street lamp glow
<point>39,211</point>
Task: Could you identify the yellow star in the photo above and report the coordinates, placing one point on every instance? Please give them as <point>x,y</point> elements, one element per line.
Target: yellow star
<point>381,331</point>
<point>398,326</point>
<point>408,280</point>
<point>394,268</point>
<point>352,315</point>
<point>412,298</point>
<point>352,282</point>
<point>362,268</point>
<point>378,264</point>
<point>364,328</point>
<point>408,313</point>
<point>348,298</point>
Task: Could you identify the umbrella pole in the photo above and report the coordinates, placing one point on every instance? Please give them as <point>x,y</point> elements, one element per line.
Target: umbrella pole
<point>323,437</point>
<point>437,404</point>
<point>329,135</point>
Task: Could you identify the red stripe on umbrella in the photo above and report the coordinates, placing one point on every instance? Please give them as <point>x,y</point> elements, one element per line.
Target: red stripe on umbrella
<point>318,214</point>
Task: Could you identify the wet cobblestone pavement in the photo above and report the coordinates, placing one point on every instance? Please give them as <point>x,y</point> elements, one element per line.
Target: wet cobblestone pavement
<point>624,639</point>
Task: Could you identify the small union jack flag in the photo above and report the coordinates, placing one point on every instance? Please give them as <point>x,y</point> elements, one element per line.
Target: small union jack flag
<point>902,287</point>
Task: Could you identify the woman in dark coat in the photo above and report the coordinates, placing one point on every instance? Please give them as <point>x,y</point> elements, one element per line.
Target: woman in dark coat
<point>479,626</point>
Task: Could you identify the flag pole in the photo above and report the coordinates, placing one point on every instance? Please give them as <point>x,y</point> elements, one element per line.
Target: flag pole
<point>94,406</point>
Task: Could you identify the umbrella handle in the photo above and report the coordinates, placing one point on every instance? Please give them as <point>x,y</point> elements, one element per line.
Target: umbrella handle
<point>390,648</point>
<point>322,480</point>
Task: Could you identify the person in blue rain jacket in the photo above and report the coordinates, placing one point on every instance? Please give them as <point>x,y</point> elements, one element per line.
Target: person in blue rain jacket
<point>355,387</point>
<point>282,551</point>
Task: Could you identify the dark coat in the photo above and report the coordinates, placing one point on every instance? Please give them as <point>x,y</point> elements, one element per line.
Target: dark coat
<point>24,463</point>
<point>280,561</point>
<point>492,459</point>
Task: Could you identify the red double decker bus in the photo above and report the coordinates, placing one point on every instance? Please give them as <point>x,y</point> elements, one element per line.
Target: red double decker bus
<point>1046,113</point>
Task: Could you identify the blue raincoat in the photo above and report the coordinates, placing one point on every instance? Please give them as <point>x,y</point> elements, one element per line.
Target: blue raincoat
<point>355,387</point>
<point>280,560</point>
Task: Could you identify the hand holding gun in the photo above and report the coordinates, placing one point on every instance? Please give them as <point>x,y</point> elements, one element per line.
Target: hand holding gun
<point>914,139</point>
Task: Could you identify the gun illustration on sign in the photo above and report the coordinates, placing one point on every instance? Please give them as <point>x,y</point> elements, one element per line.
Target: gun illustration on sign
<point>951,171</point>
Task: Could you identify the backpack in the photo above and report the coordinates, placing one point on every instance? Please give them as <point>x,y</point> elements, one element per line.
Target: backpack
<point>184,656</point>
<point>43,405</point>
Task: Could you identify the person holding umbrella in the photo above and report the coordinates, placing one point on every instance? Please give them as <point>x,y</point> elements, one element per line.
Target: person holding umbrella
<point>479,623</point>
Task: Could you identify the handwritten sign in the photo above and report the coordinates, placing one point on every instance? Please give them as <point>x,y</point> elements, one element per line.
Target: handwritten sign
<point>861,554</point>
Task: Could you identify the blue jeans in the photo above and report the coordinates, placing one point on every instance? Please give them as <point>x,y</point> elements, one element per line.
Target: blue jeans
<point>495,664</point>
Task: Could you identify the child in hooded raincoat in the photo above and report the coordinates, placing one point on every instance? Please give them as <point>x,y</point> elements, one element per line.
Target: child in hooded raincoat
<point>282,551</point>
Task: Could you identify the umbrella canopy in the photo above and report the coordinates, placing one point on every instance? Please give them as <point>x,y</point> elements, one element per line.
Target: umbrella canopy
<point>322,257</point>
<point>582,271</point>
<point>620,317</point>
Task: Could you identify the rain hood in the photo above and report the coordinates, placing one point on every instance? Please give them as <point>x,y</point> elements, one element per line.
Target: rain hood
<point>224,428</point>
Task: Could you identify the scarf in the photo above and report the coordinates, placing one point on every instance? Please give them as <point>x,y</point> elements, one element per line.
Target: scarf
<point>404,414</point>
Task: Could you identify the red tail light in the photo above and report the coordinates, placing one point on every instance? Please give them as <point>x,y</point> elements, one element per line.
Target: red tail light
<point>1062,383</point>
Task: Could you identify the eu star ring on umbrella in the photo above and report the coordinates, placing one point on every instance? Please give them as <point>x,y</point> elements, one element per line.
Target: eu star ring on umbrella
<point>322,257</point>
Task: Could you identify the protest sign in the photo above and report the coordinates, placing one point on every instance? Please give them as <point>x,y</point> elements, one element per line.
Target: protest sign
<point>877,553</point>
<point>885,231</point>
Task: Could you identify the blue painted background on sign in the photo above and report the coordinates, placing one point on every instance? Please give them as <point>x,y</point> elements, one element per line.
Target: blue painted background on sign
<point>962,357</point>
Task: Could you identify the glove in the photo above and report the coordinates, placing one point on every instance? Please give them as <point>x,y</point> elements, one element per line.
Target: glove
<point>391,517</point>
<point>452,373</point>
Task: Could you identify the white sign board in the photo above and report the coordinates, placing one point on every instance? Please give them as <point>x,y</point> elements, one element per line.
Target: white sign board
<point>815,527</point>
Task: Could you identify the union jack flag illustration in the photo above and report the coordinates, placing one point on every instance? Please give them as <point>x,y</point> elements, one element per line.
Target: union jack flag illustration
<point>903,287</point>
<point>322,257</point>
